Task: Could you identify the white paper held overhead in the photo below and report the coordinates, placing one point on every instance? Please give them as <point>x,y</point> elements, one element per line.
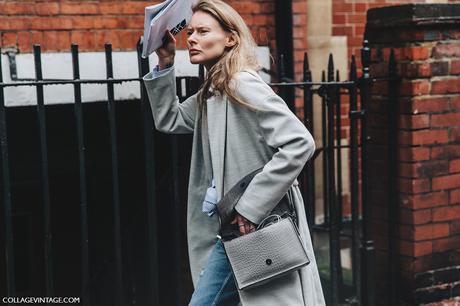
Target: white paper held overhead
<point>171,15</point>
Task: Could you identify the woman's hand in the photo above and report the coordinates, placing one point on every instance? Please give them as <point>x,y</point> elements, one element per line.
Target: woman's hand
<point>244,224</point>
<point>167,51</point>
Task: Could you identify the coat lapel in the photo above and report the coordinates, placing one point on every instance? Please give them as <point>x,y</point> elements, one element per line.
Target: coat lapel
<point>206,148</point>
<point>216,132</point>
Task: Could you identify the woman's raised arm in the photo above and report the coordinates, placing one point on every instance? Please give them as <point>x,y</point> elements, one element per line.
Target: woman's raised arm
<point>169,115</point>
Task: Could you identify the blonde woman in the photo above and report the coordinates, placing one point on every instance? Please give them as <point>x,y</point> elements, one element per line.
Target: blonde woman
<point>261,131</point>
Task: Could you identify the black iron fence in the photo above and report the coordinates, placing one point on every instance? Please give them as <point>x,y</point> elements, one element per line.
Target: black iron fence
<point>136,248</point>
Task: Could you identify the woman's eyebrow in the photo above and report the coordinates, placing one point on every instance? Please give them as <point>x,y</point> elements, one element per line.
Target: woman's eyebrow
<point>198,27</point>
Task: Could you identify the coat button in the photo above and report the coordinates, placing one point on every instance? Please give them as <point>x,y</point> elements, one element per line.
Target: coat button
<point>268,261</point>
<point>242,184</point>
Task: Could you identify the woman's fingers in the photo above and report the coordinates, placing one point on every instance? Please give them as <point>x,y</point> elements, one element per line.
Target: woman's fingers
<point>170,36</point>
<point>168,48</point>
<point>241,224</point>
<point>245,226</point>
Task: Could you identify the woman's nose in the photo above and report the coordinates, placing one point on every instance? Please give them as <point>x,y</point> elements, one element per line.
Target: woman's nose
<point>191,40</point>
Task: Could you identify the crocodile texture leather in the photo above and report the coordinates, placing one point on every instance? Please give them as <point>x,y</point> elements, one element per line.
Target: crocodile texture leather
<point>267,253</point>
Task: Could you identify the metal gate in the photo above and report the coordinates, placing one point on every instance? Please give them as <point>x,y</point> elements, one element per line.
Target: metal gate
<point>144,261</point>
<point>340,219</point>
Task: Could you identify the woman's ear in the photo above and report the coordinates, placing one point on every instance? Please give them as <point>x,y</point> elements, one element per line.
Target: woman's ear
<point>231,40</point>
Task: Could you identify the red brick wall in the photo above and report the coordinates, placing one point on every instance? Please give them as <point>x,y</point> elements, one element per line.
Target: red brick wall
<point>56,24</point>
<point>428,136</point>
<point>349,19</point>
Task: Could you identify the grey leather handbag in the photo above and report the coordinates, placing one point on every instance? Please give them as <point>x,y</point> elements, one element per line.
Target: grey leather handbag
<point>273,250</point>
<point>265,254</point>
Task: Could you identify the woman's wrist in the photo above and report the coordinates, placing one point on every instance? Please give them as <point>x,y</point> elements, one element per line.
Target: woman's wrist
<point>164,63</point>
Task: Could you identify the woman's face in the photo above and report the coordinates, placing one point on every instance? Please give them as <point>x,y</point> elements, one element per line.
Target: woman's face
<point>206,40</point>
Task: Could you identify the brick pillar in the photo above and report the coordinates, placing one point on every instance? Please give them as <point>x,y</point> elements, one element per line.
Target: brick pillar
<point>420,241</point>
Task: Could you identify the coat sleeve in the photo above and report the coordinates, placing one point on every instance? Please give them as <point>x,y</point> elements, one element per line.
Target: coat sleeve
<point>169,115</point>
<point>286,134</point>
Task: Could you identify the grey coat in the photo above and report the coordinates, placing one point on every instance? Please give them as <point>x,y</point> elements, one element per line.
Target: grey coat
<point>273,137</point>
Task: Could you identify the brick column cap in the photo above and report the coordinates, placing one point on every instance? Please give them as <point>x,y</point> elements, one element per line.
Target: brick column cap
<point>414,14</point>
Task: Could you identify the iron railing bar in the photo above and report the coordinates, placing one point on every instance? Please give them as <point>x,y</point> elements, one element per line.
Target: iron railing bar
<point>149,156</point>
<point>45,175</point>
<point>334,242</point>
<point>309,174</point>
<point>82,81</point>
<point>367,248</point>
<point>300,85</point>
<point>324,155</point>
<point>338,118</point>
<point>44,79</point>
<point>78,112</point>
<point>115,179</point>
<point>7,205</point>
<point>343,83</point>
<point>354,188</point>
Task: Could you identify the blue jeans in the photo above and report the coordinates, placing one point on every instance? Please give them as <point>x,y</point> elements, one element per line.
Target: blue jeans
<point>216,286</point>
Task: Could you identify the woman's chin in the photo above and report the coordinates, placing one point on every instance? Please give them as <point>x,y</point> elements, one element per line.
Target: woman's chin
<point>195,59</point>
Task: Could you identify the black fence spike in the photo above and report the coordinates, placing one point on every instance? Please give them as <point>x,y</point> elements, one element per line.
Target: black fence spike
<point>306,69</point>
<point>282,71</point>
<point>108,58</point>
<point>323,76</point>
<point>74,52</point>
<point>306,64</point>
<point>337,75</point>
<point>37,62</point>
<point>330,68</point>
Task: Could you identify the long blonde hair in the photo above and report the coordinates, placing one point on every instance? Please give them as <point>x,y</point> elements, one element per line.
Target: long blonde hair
<point>234,59</point>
